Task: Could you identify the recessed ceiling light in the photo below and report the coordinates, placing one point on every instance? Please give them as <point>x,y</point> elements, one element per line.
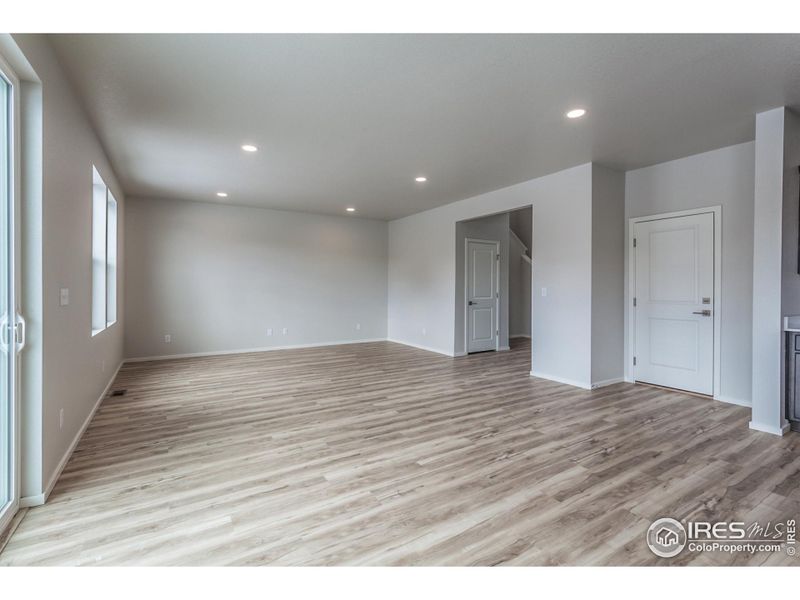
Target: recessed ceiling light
<point>350,209</point>
<point>421,179</point>
<point>222,194</point>
<point>249,148</point>
<point>576,113</point>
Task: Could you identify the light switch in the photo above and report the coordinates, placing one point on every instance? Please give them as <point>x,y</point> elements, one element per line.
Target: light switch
<point>544,292</point>
<point>64,297</point>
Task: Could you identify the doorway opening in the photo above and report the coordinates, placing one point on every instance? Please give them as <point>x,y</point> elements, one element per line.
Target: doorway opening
<point>494,260</point>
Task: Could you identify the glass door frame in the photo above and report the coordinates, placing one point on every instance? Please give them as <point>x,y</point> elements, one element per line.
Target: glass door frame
<point>15,334</point>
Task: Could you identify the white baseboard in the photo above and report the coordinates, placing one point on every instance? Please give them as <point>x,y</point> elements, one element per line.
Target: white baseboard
<point>28,501</point>
<point>571,382</point>
<point>503,348</point>
<point>735,401</point>
<point>39,499</point>
<point>783,430</point>
<point>421,347</point>
<point>250,350</point>
<point>606,382</point>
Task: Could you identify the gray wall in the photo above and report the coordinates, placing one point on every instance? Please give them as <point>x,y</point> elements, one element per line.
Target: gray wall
<point>790,290</point>
<point>521,223</point>
<point>422,271</point>
<point>216,277</point>
<point>608,277</point>
<point>493,228</point>
<point>721,177</point>
<point>519,288</point>
<point>790,280</point>
<point>74,368</point>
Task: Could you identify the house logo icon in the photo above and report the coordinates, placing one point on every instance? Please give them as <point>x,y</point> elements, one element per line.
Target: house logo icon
<point>666,537</point>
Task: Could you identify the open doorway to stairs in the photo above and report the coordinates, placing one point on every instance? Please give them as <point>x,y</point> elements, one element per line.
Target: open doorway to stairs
<point>494,261</point>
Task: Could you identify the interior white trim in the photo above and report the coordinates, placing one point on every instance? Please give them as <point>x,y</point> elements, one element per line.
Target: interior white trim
<point>40,499</point>
<point>735,401</point>
<point>770,429</point>
<point>428,348</point>
<point>631,318</point>
<point>250,350</point>
<point>606,382</point>
<point>571,382</point>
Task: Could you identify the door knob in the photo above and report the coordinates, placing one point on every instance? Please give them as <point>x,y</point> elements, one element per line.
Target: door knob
<point>705,313</point>
<point>471,303</point>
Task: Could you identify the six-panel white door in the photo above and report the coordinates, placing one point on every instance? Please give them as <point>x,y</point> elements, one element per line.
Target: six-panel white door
<point>482,291</point>
<point>674,341</point>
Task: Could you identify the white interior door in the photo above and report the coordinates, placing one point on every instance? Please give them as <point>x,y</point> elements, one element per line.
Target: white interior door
<point>674,302</point>
<point>482,295</point>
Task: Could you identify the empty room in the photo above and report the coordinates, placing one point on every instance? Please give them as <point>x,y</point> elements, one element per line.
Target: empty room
<point>340,299</point>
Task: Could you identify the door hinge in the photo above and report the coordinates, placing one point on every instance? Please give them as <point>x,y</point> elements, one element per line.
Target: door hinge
<point>634,242</point>
<point>634,300</point>
<point>634,361</point>
<point>498,257</point>
<point>497,294</point>
<point>497,332</point>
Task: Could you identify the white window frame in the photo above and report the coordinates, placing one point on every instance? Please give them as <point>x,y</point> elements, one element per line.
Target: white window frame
<point>105,219</point>
<point>12,334</point>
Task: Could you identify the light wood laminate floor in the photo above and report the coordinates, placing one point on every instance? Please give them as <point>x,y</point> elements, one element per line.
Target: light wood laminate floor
<point>382,454</point>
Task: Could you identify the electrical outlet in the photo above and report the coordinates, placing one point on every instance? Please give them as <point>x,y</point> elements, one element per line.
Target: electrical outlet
<point>63,298</point>
<point>168,339</point>
<point>358,326</point>
<point>424,331</point>
<point>544,292</point>
<point>269,331</point>
<point>285,331</point>
<point>61,419</point>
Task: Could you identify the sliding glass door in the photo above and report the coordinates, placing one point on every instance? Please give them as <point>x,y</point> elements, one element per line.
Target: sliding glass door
<point>11,327</point>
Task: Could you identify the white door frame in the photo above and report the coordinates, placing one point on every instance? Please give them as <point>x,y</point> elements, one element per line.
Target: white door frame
<point>466,293</point>
<point>716,308</point>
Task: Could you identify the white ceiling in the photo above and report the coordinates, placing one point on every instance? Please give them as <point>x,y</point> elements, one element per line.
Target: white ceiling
<point>350,120</point>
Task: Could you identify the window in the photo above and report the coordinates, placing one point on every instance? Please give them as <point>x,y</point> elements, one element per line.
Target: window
<point>104,255</point>
<point>7,438</point>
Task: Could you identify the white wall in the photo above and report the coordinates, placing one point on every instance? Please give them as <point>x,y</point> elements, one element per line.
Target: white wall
<point>75,367</point>
<point>422,265</point>
<point>561,321</point>
<point>767,276</point>
<point>216,277</point>
<point>721,177</point>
